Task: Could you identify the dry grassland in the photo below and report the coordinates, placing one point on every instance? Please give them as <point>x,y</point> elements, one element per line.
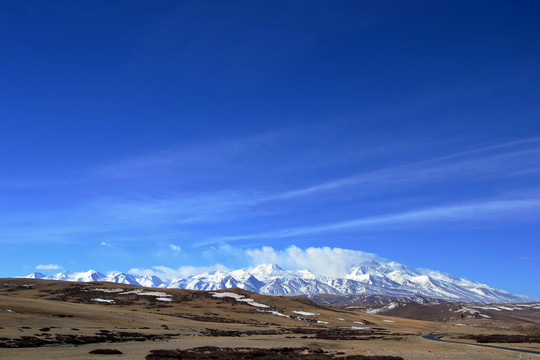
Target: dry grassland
<point>42,319</point>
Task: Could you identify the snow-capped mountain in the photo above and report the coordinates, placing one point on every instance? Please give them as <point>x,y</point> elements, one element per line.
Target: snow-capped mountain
<point>213,280</point>
<point>87,276</point>
<point>151,281</point>
<point>369,278</point>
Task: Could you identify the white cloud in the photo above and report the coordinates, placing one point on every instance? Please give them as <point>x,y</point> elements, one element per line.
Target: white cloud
<point>327,261</point>
<point>48,267</point>
<point>335,262</point>
<point>175,248</point>
<point>103,243</point>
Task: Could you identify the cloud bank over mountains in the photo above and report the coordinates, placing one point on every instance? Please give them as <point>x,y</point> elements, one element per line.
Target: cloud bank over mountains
<point>324,261</point>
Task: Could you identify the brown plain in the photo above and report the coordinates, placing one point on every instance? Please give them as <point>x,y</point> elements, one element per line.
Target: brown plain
<point>63,320</point>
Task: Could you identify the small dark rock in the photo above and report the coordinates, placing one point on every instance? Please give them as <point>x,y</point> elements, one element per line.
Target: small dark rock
<point>106,352</point>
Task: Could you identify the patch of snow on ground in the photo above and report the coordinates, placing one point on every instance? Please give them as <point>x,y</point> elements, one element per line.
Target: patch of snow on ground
<point>146,293</point>
<point>107,290</point>
<point>227,294</point>
<point>8,310</point>
<point>485,316</point>
<point>528,305</point>
<point>359,328</point>
<point>108,301</point>
<point>340,319</point>
<point>488,308</point>
<point>241,298</point>
<point>466,309</point>
<point>277,313</point>
<point>322,322</point>
<point>510,308</point>
<point>305,313</point>
<point>254,303</point>
<point>373,311</point>
<point>389,306</point>
<point>358,322</point>
<point>389,321</point>
<point>164,299</point>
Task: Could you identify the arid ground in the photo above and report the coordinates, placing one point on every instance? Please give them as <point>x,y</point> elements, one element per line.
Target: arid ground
<point>45,319</point>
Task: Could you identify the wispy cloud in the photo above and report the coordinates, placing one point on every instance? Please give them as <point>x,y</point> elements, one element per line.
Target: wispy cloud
<point>474,211</point>
<point>477,164</point>
<point>48,267</point>
<point>172,208</point>
<point>530,258</point>
<point>110,215</point>
<point>195,161</point>
<point>175,248</point>
<point>220,206</point>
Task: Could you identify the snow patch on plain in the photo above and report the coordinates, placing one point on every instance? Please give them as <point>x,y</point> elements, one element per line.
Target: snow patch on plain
<point>240,298</point>
<point>107,301</point>
<point>305,313</point>
<point>168,299</point>
<point>146,293</point>
<point>510,308</point>
<point>387,307</point>
<point>277,313</point>
<point>469,310</point>
<point>228,294</point>
<point>488,308</point>
<point>107,290</point>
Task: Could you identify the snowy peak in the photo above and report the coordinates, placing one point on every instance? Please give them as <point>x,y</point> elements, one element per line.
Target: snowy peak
<point>122,278</point>
<point>36,275</point>
<point>213,280</point>
<point>307,275</point>
<point>267,271</point>
<point>246,280</point>
<point>363,271</point>
<point>370,278</point>
<point>88,276</point>
<point>151,281</point>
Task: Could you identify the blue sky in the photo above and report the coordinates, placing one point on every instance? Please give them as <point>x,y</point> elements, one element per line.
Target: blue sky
<point>177,137</point>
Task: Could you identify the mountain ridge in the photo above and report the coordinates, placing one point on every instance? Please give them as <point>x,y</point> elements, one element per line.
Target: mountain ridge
<point>374,278</point>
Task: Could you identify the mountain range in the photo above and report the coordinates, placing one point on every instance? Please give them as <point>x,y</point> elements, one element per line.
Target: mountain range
<point>371,278</point>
